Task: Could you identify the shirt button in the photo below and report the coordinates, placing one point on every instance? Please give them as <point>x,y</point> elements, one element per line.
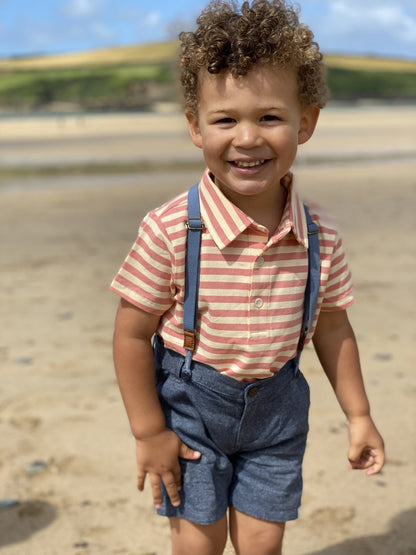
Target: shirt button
<point>258,303</point>
<point>260,261</point>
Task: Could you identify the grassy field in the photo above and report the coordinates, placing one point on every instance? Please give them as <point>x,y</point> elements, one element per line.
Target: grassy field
<point>357,63</point>
<point>91,87</point>
<point>135,77</point>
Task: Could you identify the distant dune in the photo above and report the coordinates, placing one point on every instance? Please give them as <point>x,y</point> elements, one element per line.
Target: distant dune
<point>163,52</point>
<point>166,52</point>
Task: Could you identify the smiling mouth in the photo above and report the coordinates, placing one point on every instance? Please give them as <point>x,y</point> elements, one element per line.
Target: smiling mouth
<point>252,164</point>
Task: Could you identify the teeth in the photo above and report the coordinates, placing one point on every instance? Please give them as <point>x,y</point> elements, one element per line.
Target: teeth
<point>249,164</point>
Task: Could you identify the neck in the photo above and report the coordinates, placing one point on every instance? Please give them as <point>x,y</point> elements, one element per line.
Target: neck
<point>265,210</point>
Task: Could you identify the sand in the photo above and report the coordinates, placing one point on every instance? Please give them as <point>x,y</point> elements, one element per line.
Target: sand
<point>66,454</point>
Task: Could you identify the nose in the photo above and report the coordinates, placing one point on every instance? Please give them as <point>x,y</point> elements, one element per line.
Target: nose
<point>247,135</point>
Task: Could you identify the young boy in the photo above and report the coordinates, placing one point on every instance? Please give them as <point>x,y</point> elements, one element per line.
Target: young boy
<point>222,436</point>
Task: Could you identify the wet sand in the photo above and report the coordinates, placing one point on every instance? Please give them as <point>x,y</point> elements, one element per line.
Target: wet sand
<point>63,240</point>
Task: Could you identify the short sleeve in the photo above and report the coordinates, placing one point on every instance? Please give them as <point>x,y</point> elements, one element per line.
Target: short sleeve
<point>145,276</point>
<point>338,293</point>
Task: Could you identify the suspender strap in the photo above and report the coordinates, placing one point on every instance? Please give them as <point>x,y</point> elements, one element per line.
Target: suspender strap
<point>193,248</point>
<point>314,274</point>
<point>195,227</point>
<point>312,284</point>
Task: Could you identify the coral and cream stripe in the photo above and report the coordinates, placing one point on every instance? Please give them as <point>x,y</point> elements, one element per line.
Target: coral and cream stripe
<point>251,287</point>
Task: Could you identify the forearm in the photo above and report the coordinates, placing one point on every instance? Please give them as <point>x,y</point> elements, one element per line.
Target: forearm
<point>157,448</point>
<point>135,371</point>
<point>133,361</point>
<point>337,351</point>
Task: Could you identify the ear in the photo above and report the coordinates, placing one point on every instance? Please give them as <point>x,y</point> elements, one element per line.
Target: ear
<point>308,123</point>
<point>193,127</point>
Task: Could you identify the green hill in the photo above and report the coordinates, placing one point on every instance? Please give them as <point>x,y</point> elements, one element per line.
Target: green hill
<point>136,77</point>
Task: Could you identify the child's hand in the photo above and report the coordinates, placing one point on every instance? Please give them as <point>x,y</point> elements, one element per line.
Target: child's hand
<point>157,456</point>
<point>366,445</point>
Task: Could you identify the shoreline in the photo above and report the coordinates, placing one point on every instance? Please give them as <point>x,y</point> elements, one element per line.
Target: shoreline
<point>173,108</point>
<point>81,177</point>
<point>144,142</point>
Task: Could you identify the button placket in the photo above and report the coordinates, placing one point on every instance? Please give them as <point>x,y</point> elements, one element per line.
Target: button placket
<point>258,297</point>
<point>259,301</point>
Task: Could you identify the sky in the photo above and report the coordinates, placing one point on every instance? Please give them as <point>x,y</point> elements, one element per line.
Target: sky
<point>32,27</point>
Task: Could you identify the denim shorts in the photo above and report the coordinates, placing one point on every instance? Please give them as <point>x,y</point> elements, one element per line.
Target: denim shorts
<point>252,438</point>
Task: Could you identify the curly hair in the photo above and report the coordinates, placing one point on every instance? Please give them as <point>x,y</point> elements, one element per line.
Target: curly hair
<point>229,38</point>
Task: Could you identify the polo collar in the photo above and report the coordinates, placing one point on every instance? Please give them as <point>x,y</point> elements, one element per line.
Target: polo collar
<point>226,222</point>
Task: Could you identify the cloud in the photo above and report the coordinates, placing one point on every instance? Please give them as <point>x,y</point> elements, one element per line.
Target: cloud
<point>80,8</point>
<point>139,23</point>
<point>375,25</point>
<point>384,27</point>
<point>102,32</point>
<point>152,19</point>
<point>351,15</point>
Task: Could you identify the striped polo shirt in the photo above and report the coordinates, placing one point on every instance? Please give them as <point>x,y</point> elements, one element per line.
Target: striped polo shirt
<point>251,290</point>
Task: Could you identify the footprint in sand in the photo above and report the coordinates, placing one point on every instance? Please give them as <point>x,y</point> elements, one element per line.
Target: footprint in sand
<point>73,465</point>
<point>331,516</point>
<point>25,422</point>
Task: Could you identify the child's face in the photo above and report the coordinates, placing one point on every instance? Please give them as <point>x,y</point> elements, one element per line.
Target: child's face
<point>249,129</point>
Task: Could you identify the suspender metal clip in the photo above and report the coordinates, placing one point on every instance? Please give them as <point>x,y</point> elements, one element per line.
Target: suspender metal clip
<point>302,340</point>
<point>197,226</point>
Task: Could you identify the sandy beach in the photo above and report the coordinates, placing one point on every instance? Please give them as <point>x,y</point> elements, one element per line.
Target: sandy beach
<point>67,466</point>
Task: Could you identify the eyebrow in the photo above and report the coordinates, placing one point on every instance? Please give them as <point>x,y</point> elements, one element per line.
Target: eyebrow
<point>261,109</point>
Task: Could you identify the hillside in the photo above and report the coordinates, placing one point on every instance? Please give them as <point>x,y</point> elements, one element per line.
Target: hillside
<point>138,76</point>
<point>155,53</point>
<point>166,52</point>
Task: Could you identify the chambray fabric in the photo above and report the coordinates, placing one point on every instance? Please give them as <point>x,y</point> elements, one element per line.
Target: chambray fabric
<point>252,437</point>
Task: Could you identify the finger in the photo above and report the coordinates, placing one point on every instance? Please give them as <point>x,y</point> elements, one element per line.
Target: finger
<point>375,469</point>
<point>366,459</point>
<point>171,487</point>
<point>156,487</point>
<point>141,478</point>
<point>362,464</point>
<point>355,454</point>
<point>186,452</point>
<point>360,457</point>
<point>177,476</point>
<point>378,464</point>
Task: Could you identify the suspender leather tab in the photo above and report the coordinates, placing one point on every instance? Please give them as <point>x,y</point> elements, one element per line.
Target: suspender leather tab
<point>189,340</point>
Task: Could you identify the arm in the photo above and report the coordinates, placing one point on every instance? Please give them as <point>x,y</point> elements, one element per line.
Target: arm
<point>157,447</point>
<point>337,351</point>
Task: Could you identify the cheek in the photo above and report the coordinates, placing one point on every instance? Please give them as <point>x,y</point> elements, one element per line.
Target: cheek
<point>287,141</point>
<point>213,144</point>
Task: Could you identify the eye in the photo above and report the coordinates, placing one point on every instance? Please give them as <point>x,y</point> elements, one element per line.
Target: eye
<point>270,117</point>
<point>225,121</point>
